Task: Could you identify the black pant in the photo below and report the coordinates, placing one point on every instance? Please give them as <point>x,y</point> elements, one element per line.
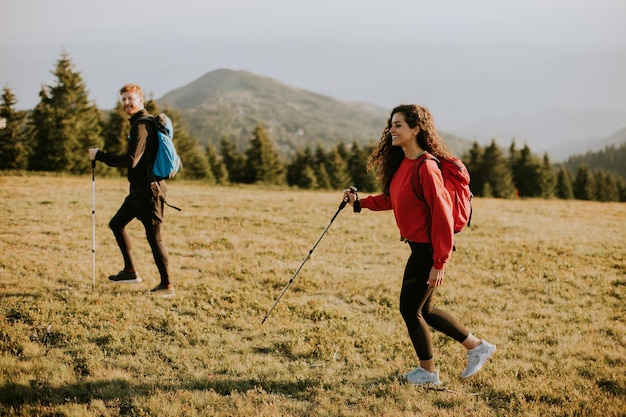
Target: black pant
<point>416,300</point>
<point>146,205</point>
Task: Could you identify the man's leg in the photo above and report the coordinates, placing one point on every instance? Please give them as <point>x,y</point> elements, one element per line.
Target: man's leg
<point>118,223</point>
<point>159,252</point>
<point>152,219</point>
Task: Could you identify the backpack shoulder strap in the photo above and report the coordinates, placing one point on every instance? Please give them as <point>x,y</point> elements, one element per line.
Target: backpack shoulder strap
<point>151,123</point>
<point>160,122</point>
<point>152,126</point>
<point>415,173</point>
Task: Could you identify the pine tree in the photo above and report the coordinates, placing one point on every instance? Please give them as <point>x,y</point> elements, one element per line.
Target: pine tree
<point>46,154</point>
<point>218,169</point>
<point>548,178</point>
<point>606,186</point>
<point>621,186</point>
<point>308,179</point>
<point>300,172</point>
<point>584,185</point>
<point>64,123</point>
<point>363,179</point>
<point>473,164</point>
<point>234,161</point>
<point>526,171</point>
<point>300,169</point>
<point>263,164</point>
<point>564,189</point>
<point>342,150</point>
<point>13,148</point>
<point>337,168</point>
<point>116,131</point>
<point>613,187</point>
<point>323,176</point>
<point>497,172</point>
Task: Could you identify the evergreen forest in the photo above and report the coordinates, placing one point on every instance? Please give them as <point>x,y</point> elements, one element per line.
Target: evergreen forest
<point>55,136</point>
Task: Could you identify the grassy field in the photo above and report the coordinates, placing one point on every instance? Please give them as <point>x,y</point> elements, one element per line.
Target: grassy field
<point>543,280</point>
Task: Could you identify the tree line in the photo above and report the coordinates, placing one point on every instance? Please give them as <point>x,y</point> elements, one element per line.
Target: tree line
<point>55,135</point>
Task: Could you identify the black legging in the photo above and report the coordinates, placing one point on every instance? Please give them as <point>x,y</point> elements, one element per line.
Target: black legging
<point>416,304</point>
<point>149,211</point>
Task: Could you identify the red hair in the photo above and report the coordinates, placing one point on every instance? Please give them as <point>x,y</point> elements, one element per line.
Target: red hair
<point>132,88</point>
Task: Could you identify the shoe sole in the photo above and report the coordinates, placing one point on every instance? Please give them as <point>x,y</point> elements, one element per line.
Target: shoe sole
<point>403,378</point>
<point>425,384</point>
<point>127,281</point>
<point>482,364</point>
<point>163,295</point>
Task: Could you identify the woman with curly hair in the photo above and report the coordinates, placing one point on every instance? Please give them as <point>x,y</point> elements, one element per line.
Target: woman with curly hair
<point>427,226</point>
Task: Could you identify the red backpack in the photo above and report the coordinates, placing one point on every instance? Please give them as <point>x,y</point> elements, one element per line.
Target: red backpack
<point>456,179</point>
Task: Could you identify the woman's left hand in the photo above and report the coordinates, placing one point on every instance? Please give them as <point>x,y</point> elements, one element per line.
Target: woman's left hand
<point>435,278</point>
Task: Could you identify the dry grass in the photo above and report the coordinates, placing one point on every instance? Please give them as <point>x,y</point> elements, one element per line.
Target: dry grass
<point>544,280</point>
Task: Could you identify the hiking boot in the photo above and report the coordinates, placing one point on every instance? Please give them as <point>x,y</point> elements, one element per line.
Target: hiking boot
<point>164,290</point>
<point>420,376</point>
<point>124,277</point>
<point>477,357</point>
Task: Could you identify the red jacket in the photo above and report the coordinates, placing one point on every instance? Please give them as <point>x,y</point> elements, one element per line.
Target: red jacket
<point>415,220</point>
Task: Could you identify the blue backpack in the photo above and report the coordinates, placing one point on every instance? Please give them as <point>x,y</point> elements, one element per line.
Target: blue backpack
<point>167,162</point>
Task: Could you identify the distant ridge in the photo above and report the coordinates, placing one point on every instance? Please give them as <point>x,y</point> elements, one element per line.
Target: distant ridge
<point>229,103</point>
<point>561,152</point>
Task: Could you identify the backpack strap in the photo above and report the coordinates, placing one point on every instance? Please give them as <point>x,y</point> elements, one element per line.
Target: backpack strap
<point>415,173</point>
<point>152,125</point>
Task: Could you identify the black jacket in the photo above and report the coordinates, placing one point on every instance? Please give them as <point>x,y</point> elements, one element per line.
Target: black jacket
<point>142,148</point>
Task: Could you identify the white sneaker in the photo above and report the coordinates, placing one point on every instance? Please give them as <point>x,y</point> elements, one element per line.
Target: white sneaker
<point>477,357</point>
<point>420,376</point>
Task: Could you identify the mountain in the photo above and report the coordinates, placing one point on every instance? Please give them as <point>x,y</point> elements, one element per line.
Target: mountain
<point>558,132</point>
<point>229,103</point>
<point>618,138</point>
<point>612,158</point>
<point>563,151</point>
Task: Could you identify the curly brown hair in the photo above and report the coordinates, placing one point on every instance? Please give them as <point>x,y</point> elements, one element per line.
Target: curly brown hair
<point>386,158</point>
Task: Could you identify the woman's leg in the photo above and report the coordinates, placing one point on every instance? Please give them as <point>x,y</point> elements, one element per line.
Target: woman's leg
<point>413,295</point>
<point>417,310</point>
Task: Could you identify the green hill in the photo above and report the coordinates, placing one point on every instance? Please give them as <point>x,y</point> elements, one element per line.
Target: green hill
<point>230,103</point>
<point>611,159</point>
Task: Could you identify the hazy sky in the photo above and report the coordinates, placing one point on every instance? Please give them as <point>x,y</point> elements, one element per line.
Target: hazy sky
<point>54,21</point>
<point>353,50</point>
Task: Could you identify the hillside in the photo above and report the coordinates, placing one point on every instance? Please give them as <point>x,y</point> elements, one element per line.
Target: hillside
<point>611,159</point>
<point>563,151</point>
<point>230,103</point>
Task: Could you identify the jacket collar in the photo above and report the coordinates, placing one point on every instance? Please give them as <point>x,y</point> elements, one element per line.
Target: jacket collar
<point>141,113</point>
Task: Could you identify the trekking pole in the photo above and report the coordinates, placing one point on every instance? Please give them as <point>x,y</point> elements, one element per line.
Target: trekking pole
<point>93,225</point>
<point>341,206</point>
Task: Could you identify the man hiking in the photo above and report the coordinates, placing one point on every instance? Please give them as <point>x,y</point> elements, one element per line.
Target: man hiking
<point>146,198</point>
